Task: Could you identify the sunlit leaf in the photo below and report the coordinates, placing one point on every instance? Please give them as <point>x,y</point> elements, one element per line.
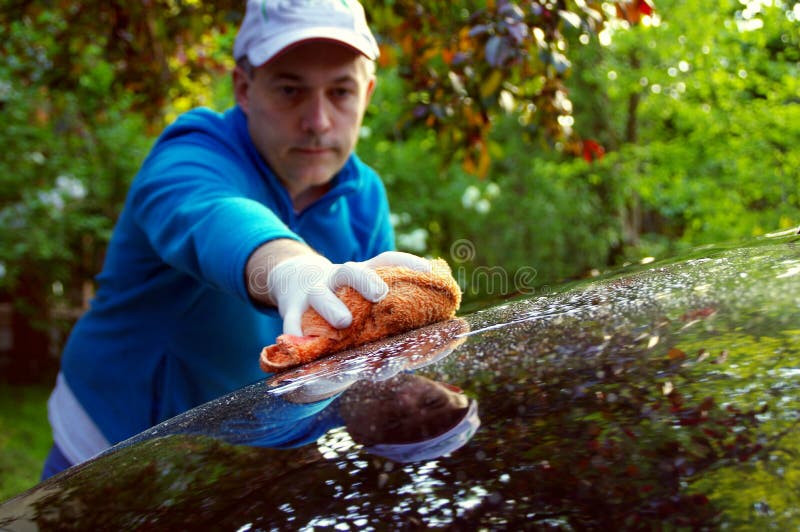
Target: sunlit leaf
<point>676,354</point>
<point>490,86</point>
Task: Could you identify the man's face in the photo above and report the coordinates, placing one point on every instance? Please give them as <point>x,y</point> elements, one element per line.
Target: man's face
<point>403,409</point>
<point>304,110</point>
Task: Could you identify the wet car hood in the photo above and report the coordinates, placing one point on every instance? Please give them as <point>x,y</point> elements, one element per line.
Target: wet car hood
<point>665,394</point>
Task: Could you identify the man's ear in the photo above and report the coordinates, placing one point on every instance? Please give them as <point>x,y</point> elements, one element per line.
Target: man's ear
<point>241,84</point>
<point>370,89</point>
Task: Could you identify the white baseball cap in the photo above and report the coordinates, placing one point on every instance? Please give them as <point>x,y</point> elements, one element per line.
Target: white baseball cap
<point>271,26</point>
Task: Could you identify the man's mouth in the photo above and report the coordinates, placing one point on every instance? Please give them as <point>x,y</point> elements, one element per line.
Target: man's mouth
<point>314,149</point>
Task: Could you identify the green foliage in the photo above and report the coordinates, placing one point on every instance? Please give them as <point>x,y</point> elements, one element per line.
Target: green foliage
<point>65,173</point>
<point>105,51</point>
<point>698,149</point>
<point>82,93</point>
<point>24,438</point>
<point>467,62</point>
<point>705,124</point>
<point>533,220</point>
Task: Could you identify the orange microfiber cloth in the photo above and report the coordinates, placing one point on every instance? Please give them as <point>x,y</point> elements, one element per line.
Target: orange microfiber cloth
<point>415,299</point>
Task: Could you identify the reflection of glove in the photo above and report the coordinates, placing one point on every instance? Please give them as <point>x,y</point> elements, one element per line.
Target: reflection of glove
<point>307,281</point>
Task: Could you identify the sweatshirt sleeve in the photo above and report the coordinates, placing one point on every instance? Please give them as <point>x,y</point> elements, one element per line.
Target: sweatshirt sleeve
<point>285,425</point>
<point>193,199</point>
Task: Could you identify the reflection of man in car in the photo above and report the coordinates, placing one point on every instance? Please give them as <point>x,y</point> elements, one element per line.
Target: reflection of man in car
<point>381,402</point>
<point>389,410</point>
<point>408,417</point>
<point>392,412</point>
<point>405,418</point>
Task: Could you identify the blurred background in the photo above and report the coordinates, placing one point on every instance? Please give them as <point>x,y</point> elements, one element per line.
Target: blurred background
<point>527,143</point>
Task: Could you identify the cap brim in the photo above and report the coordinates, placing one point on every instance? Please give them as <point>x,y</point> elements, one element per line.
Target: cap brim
<point>268,50</point>
<point>447,442</point>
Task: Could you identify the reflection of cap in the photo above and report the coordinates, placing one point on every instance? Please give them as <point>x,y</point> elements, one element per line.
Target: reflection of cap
<point>271,26</point>
<point>435,447</point>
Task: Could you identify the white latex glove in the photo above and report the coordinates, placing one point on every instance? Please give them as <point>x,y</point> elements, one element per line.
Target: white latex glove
<point>310,280</point>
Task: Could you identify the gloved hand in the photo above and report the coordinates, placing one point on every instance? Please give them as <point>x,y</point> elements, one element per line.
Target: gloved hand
<point>310,280</point>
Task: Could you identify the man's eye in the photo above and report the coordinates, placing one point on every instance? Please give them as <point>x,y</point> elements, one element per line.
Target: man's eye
<point>289,91</point>
<point>392,422</point>
<point>341,92</point>
<point>432,401</point>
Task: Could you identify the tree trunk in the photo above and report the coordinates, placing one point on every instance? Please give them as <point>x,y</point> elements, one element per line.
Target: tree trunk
<point>631,216</point>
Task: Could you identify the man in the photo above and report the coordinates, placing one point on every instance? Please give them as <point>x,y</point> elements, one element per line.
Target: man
<point>232,217</point>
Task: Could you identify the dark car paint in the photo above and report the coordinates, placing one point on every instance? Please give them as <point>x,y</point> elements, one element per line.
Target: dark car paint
<point>665,395</point>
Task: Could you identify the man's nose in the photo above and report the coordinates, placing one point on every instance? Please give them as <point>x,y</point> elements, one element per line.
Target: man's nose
<point>316,116</point>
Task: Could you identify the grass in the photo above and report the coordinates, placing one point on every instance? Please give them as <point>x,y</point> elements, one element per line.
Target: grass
<point>25,437</point>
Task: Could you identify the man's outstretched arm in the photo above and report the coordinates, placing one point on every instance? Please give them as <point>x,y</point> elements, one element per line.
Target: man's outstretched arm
<point>291,276</point>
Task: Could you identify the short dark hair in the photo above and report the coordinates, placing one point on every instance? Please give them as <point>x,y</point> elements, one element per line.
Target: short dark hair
<point>245,64</point>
